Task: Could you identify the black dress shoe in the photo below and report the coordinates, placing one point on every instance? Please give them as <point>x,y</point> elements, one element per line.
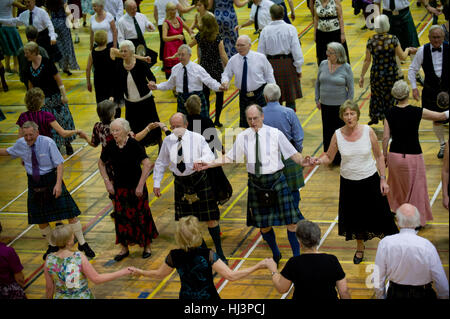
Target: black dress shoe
<point>87,250</point>
<point>50,249</point>
<point>441,153</point>
<point>146,254</point>
<point>119,257</point>
<point>69,149</point>
<point>356,259</point>
<point>218,124</point>
<point>372,122</point>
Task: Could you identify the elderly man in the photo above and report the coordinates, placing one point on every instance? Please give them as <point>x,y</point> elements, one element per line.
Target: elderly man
<point>270,201</point>
<point>409,262</point>
<point>286,121</point>
<point>39,18</point>
<point>115,7</point>
<point>280,43</point>
<point>188,79</point>
<point>252,71</point>
<point>48,198</point>
<point>259,15</point>
<point>434,59</point>
<point>132,26</point>
<point>194,195</point>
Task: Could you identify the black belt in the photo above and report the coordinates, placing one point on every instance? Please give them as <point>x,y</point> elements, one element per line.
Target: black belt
<point>255,92</point>
<point>328,18</point>
<point>280,56</point>
<point>409,287</point>
<point>395,12</point>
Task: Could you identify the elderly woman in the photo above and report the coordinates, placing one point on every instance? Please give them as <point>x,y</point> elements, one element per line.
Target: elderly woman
<point>195,263</point>
<point>103,20</point>
<point>407,176</point>
<point>67,272</point>
<point>314,274</point>
<point>132,78</point>
<point>133,218</point>
<point>334,85</point>
<point>364,211</point>
<point>12,279</point>
<point>42,73</point>
<point>383,47</point>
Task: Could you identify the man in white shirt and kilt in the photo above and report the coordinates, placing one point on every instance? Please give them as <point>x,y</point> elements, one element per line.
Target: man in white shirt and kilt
<point>270,201</point>
<point>193,194</point>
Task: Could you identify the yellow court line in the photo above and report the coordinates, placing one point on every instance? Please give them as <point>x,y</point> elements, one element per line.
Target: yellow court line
<point>162,283</point>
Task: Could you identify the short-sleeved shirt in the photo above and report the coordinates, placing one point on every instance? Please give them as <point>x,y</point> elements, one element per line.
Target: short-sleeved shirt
<point>9,264</point>
<point>104,25</point>
<point>314,275</point>
<point>101,134</point>
<point>43,77</point>
<point>404,126</point>
<point>41,118</point>
<point>126,162</point>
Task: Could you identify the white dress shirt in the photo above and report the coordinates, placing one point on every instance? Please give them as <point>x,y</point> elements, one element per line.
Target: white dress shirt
<point>259,70</point>
<point>127,30</point>
<point>281,38</point>
<point>272,143</point>
<point>195,149</point>
<point>436,56</point>
<point>41,21</point>
<point>399,4</point>
<point>408,259</point>
<point>115,7</point>
<point>161,9</point>
<point>264,17</point>
<point>197,76</point>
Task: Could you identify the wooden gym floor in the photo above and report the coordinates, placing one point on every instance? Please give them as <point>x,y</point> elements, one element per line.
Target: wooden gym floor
<point>242,245</point>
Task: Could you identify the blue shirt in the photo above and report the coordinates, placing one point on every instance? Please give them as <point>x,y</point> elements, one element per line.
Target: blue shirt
<point>284,119</point>
<point>47,154</point>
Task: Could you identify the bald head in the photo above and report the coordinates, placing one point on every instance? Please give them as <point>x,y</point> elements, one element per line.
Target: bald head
<point>408,216</point>
<point>178,120</point>
<point>131,7</point>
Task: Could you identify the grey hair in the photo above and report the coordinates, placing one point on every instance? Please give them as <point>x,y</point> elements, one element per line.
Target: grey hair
<point>29,124</point>
<point>382,24</point>
<point>123,123</point>
<point>436,27</point>
<point>128,44</point>
<point>186,48</point>
<point>259,108</point>
<point>339,50</point>
<point>400,90</point>
<point>99,2</point>
<point>185,120</point>
<point>128,2</point>
<point>272,92</point>
<point>244,36</point>
<point>308,233</point>
<point>407,221</point>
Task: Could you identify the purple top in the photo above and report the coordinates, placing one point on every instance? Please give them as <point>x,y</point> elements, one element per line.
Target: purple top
<point>41,118</point>
<point>9,264</point>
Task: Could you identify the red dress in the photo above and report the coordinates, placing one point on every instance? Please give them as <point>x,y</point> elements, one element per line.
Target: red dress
<point>171,47</point>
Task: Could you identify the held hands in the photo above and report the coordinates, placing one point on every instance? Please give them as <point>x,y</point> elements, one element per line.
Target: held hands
<point>152,85</point>
<point>134,271</point>
<point>412,50</point>
<point>180,37</point>
<point>148,59</point>
<point>157,191</point>
<point>83,135</point>
<point>175,56</point>
<point>416,94</point>
<point>52,42</point>
<point>224,86</point>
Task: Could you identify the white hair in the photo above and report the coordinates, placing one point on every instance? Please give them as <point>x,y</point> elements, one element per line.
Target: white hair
<point>99,2</point>
<point>436,27</point>
<point>128,2</point>
<point>382,24</point>
<point>128,44</point>
<point>186,48</point>
<point>339,51</point>
<point>123,123</point>
<point>244,36</point>
<point>400,90</point>
<point>408,221</point>
<point>272,92</point>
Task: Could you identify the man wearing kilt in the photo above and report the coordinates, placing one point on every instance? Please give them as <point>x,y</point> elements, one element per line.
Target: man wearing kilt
<point>434,59</point>
<point>48,198</point>
<point>280,43</point>
<point>194,195</point>
<point>270,200</point>
<point>252,71</point>
<point>188,79</point>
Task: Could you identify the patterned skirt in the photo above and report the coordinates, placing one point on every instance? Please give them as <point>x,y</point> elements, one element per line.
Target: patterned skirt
<point>12,291</point>
<point>43,207</point>
<point>283,213</point>
<point>364,212</point>
<point>294,175</point>
<point>194,196</point>
<point>63,116</point>
<point>65,45</point>
<point>133,218</point>
<point>286,77</point>
<point>10,40</point>
<point>381,83</point>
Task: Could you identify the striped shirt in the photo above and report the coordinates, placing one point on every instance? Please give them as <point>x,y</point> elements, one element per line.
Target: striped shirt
<point>41,118</point>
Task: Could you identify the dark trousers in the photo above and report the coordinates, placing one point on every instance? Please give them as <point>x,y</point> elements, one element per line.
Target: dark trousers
<point>161,44</point>
<point>330,123</point>
<point>322,40</point>
<point>219,102</point>
<point>396,291</point>
<point>244,101</point>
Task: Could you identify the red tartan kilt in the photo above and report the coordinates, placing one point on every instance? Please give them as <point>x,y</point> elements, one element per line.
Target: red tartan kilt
<point>287,79</point>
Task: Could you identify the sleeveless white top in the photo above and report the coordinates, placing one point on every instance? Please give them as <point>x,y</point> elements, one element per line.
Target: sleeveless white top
<point>357,162</point>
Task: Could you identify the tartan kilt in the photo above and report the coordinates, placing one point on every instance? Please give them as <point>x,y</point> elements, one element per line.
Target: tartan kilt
<point>402,26</point>
<point>46,208</point>
<point>286,77</point>
<point>181,99</point>
<point>284,213</point>
<point>294,175</point>
<point>205,209</point>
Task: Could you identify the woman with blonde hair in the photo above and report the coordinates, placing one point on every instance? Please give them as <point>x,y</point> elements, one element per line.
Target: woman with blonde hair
<point>67,272</point>
<point>195,263</point>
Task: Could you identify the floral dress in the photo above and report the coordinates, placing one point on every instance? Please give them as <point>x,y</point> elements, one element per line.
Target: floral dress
<point>383,74</point>
<point>227,20</point>
<point>70,282</point>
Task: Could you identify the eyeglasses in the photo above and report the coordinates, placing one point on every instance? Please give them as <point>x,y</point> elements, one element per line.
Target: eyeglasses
<point>330,52</point>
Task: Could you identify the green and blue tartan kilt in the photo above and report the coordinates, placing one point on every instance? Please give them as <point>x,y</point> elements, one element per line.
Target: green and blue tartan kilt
<point>402,26</point>
<point>181,99</point>
<point>283,213</point>
<point>205,209</point>
<point>45,207</point>
<point>294,175</point>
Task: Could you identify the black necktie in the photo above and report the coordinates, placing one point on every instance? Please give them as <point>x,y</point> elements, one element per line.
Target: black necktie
<point>436,49</point>
<point>35,164</point>
<point>256,19</point>
<point>257,161</point>
<point>244,77</point>
<point>185,82</point>
<point>180,159</point>
<point>392,5</point>
<point>138,31</point>
<point>30,19</point>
